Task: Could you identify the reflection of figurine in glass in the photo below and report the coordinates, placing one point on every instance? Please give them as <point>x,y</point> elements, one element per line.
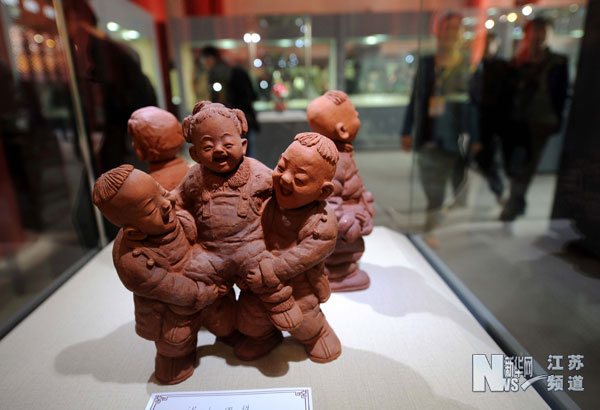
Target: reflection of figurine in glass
<point>541,81</point>
<point>436,111</point>
<point>490,96</point>
<point>157,138</point>
<point>299,233</point>
<point>334,116</point>
<point>150,254</point>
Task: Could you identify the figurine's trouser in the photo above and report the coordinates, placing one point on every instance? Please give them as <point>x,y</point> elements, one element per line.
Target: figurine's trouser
<point>253,318</point>
<point>238,256</point>
<point>179,333</point>
<point>219,317</point>
<point>343,260</point>
<point>313,318</point>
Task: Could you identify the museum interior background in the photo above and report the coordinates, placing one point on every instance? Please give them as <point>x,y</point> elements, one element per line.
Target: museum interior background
<point>506,196</point>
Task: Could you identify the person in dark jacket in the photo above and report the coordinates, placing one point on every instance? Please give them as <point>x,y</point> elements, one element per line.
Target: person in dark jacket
<point>490,97</point>
<point>540,92</point>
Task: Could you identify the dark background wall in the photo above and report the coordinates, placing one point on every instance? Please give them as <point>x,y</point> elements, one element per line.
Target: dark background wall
<point>578,184</point>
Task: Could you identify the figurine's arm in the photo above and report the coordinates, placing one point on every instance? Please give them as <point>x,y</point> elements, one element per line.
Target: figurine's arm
<point>144,277</point>
<point>312,249</point>
<point>357,208</point>
<point>187,190</point>
<point>188,224</point>
<point>205,267</point>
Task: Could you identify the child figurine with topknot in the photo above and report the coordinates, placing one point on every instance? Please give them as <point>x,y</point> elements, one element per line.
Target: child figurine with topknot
<point>300,233</point>
<point>151,253</point>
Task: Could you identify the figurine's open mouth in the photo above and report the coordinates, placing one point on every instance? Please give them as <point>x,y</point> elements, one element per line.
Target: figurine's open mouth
<point>220,161</point>
<point>285,191</point>
<point>169,218</point>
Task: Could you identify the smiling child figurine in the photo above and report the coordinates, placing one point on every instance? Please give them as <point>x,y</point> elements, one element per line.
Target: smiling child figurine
<point>157,138</point>
<point>225,192</point>
<point>151,253</point>
<point>299,232</point>
<point>334,116</point>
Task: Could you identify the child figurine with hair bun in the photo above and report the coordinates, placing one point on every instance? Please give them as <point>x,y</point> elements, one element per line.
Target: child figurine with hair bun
<point>225,192</point>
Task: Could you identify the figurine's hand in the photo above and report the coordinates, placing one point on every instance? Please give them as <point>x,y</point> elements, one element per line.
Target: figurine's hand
<point>353,233</point>
<point>222,290</point>
<point>345,222</point>
<point>254,278</point>
<point>365,222</point>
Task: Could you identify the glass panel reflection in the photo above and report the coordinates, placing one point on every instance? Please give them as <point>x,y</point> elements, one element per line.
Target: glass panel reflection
<point>47,220</point>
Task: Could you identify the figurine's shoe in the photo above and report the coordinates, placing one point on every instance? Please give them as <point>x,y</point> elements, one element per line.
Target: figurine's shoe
<point>252,348</point>
<point>325,348</point>
<point>358,280</point>
<point>287,320</point>
<point>173,370</point>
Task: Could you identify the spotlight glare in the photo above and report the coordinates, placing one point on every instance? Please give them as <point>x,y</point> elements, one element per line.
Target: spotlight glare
<point>112,26</point>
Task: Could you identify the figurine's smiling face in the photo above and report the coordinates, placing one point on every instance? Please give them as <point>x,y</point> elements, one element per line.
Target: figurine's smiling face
<point>217,144</point>
<point>301,177</point>
<point>143,204</point>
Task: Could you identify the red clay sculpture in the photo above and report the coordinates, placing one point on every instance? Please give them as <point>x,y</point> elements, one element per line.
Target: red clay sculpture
<point>334,116</point>
<point>157,138</point>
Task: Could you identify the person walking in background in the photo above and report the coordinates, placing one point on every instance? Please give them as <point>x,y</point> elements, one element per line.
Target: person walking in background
<point>490,97</point>
<point>435,118</point>
<point>540,92</point>
<point>232,87</point>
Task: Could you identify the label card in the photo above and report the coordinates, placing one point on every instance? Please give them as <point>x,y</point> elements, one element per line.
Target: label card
<point>297,398</point>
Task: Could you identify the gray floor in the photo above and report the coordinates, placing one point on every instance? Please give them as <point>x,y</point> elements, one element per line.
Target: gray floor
<point>542,289</point>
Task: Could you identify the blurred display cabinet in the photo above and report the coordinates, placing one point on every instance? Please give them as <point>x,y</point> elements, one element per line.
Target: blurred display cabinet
<point>372,56</point>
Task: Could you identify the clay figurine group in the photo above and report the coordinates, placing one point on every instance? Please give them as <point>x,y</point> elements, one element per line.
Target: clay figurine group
<point>285,237</point>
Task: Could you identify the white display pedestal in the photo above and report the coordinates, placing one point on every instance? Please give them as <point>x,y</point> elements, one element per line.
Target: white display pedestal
<point>407,343</point>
